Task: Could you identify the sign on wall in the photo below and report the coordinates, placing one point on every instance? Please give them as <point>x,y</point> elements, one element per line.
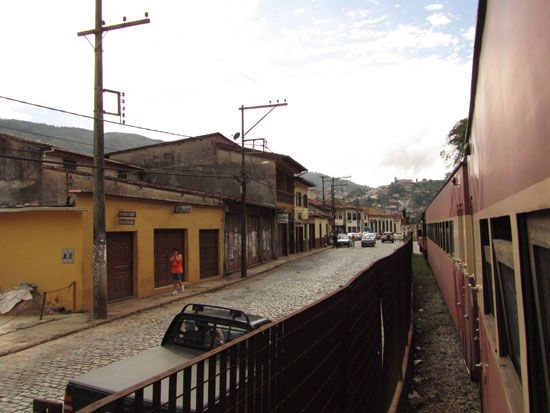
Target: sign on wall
<point>282,218</point>
<point>67,255</point>
<point>182,209</point>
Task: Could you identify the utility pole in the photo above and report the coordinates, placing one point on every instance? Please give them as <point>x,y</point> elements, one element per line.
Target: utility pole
<point>100,237</point>
<point>332,186</point>
<point>243,179</point>
<point>323,181</point>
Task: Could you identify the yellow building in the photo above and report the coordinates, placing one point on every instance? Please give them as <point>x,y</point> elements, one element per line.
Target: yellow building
<point>46,229</point>
<point>52,247</point>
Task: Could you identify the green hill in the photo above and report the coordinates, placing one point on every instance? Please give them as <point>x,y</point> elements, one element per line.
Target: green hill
<point>75,139</point>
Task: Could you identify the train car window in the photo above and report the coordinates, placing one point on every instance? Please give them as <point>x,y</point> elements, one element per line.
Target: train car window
<point>487,268</point>
<point>537,307</point>
<point>507,312</point>
<point>452,238</point>
<point>445,236</point>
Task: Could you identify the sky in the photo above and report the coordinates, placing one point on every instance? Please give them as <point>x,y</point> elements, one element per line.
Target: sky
<point>373,86</point>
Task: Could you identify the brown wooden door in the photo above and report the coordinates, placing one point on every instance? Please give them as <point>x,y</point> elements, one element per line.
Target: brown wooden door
<point>165,241</point>
<point>208,241</point>
<point>283,239</point>
<point>253,240</point>
<point>120,265</point>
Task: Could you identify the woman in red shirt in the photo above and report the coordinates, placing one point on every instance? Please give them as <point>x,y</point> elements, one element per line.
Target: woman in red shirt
<point>176,268</point>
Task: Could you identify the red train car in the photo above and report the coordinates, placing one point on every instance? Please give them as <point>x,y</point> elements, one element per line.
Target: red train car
<point>489,226</point>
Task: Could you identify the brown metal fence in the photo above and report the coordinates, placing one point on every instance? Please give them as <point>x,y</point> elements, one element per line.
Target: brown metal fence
<point>343,353</point>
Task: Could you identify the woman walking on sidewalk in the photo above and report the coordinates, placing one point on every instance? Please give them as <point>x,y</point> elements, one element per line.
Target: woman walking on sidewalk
<point>176,268</point>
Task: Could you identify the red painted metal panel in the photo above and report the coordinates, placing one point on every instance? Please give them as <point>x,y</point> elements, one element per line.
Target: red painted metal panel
<point>510,127</point>
<point>451,201</point>
<point>493,394</point>
<point>444,271</point>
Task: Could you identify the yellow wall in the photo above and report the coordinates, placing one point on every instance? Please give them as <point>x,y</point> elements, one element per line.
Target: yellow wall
<point>31,246</point>
<point>303,189</point>
<point>323,222</point>
<point>151,215</point>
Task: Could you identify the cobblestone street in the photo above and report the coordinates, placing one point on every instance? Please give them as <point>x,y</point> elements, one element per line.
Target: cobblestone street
<point>43,371</point>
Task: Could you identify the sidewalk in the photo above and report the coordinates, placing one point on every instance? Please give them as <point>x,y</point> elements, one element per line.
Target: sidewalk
<point>22,332</point>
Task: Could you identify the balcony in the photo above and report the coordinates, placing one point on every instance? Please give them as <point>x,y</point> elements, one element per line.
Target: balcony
<point>285,197</point>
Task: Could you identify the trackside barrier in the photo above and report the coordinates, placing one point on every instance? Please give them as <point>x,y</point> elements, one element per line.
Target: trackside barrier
<point>342,353</point>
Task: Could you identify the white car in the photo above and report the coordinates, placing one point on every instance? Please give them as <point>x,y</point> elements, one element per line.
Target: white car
<point>368,239</point>
<point>343,240</point>
<point>398,236</point>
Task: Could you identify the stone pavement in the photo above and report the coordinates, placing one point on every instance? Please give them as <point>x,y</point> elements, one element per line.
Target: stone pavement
<point>22,332</point>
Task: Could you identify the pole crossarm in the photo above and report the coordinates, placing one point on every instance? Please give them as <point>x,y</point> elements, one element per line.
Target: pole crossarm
<point>272,107</point>
<point>114,27</point>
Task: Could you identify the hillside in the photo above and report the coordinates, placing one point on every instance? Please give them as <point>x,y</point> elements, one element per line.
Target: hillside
<point>76,139</point>
<point>414,196</point>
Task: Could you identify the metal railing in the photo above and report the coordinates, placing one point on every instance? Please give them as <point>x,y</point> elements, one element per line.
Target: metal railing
<point>342,353</point>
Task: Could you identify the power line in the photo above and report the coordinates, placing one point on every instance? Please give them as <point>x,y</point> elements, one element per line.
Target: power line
<point>153,172</point>
<point>142,156</point>
<point>53,137</point>
<point>93,117</point>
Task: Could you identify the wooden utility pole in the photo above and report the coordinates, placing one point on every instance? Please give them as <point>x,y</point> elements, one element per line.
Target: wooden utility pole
<point>100,238</point>
<point>323,184</point>
<point>244,177</point>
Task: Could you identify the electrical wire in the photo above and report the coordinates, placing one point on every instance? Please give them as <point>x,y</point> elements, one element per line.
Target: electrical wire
<point>142,156</point>
<point>154,172</point>
<point>93,117</point>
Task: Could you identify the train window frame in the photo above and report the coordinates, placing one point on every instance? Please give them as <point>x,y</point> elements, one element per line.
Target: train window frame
<point>487,271</point>
<point>536,230</point>
<point>508,335</point>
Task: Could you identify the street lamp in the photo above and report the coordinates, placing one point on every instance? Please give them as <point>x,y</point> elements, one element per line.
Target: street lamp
<point>242,135</point>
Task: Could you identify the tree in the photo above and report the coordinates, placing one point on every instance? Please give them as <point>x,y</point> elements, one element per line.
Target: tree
<point>453,152</point>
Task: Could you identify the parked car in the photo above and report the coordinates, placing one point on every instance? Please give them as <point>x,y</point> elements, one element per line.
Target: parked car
<point>343,240</point>
<point>196,329</point>
<point>398,236</point>
<point>368,239</point>
<point>388,237</point>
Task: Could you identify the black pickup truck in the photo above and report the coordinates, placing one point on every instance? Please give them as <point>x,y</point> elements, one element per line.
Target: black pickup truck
<point>196,329</point>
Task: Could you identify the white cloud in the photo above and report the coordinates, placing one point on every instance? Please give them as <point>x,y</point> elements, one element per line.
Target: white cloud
<point>434,7</point>
<point>470,34</point>
<point>354,14</point>
<point>299,12</point>
<point>357,90</point>
<point>438,19</point>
